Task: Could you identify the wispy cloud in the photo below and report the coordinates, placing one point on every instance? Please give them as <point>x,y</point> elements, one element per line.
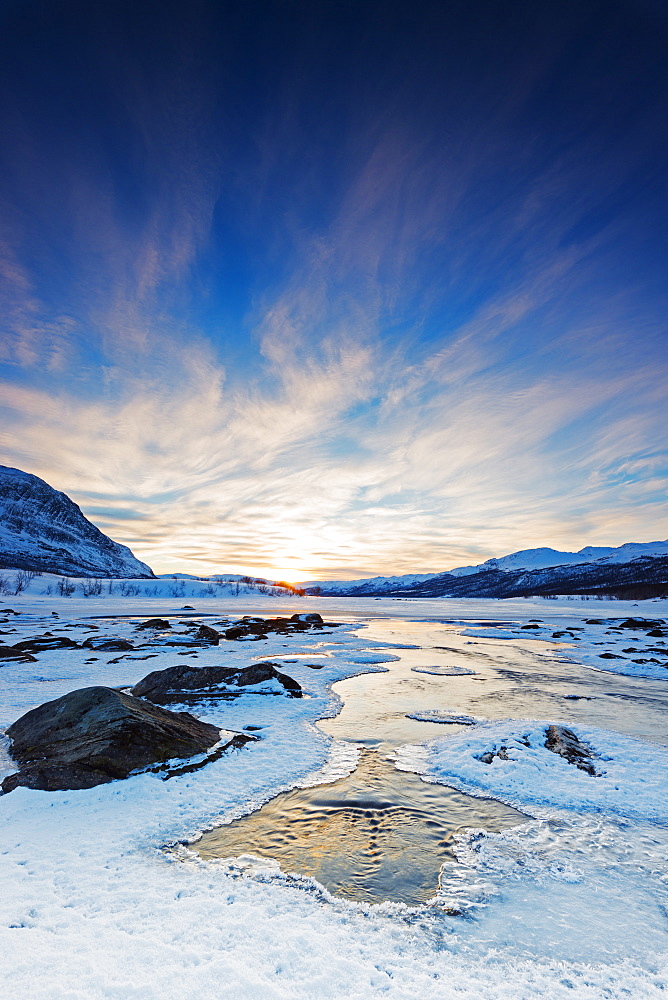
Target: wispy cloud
<point>420,333</point>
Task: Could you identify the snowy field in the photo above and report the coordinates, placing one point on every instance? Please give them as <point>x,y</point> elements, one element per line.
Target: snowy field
<point>100,899</point>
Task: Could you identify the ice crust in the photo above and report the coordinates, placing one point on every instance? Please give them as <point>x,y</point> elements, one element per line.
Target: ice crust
<point>93,908</point>
<point>632,779</point>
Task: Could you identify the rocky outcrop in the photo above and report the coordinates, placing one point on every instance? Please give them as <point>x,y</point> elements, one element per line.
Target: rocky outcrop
<point>184,684</point>
<point>259,628</point>
<point>96,734</point>
<point>42,530</point>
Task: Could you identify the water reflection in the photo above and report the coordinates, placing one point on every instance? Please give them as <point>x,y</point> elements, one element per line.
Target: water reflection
<point>382,834</point>
<point>375,835</point>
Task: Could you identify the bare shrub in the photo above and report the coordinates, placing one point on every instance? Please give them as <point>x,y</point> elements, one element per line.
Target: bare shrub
<point>65,587</point>
<point>91,588</point>
<point>22,579</point>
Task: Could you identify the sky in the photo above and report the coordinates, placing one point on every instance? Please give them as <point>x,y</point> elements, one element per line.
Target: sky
<point>325,290</point>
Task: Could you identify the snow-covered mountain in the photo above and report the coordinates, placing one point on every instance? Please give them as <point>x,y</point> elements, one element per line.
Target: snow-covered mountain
<point>527,571</point>
<point>43,530</point>
<point>543,558</point>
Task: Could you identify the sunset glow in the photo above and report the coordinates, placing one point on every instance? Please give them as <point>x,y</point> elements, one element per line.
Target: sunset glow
<point>329,292</point>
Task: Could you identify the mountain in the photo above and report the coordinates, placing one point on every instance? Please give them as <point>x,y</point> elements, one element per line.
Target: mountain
<point>633,570</point>
<point>43,530</point>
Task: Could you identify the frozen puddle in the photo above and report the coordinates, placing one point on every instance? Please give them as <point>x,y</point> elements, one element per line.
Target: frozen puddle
<point>378,834</point>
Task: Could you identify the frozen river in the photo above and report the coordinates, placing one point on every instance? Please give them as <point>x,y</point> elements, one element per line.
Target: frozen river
<point>553,883</point>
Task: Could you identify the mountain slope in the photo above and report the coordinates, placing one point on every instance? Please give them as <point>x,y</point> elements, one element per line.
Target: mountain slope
<point>43,530</point>
<point>638,567</point>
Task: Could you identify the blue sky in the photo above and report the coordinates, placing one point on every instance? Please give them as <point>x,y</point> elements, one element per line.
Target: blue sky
<point>326,290</point>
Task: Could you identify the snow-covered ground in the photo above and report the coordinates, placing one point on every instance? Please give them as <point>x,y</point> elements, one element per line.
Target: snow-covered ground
<point>93,906</point>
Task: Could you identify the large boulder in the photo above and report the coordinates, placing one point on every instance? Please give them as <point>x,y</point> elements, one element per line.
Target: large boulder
<point>184,683</point>
<point>96,734</point>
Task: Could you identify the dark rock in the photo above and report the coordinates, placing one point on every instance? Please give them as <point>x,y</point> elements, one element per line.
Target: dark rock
<point>530,626</point>
<point>658,633</point>
<point>609,656</point>
<point>96,734</point>
<point>500,752</point>
<point>11,653</point>
<point>187,607</point>
<point>641,623</point>
<point>208,634</point>
<point>564,742</point>
<point>594,621</point>
<point>187,683</point>
<point>259,628</point>
<point>110,644</point>
<point>161,623</point>
<point>41,644</point>
<point>489,755</point>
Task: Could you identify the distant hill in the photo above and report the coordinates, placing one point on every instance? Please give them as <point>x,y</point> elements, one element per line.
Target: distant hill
<point>43,530</point>
<point>634,570</point>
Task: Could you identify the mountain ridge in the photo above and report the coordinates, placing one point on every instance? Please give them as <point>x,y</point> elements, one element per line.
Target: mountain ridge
<point>528,571</point>
<point>44,530</point>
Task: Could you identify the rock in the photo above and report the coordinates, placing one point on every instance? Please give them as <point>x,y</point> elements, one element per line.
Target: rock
<point>489,755</point>
<point>641,623</point>
<point>236,632</point>
<point>208,634</point>
<point>500,752</point>
<point>187,607</point>
<point>12,653</point>
<point>187,683</point>
<point>41,644</point>
<point>609,656</point>
<point>258,628</point>
<point>564,742</point>
<point>161,623</point>
<point>96,734</point>
<point>658,633</point>
<point>110,644</point>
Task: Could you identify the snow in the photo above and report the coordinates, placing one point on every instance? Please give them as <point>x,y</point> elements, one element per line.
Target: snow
<point>101,902</point>
<point>588,872</point>
<point>631,781</point>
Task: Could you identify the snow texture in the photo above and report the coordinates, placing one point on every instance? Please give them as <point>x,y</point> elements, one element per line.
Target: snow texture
<point>103,900</point>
